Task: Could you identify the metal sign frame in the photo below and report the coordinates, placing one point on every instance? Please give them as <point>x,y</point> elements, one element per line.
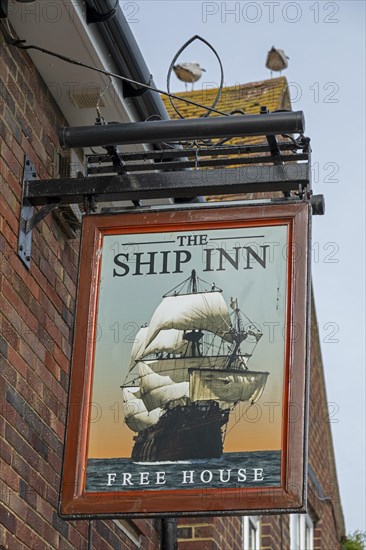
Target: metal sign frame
<point>286,495</point>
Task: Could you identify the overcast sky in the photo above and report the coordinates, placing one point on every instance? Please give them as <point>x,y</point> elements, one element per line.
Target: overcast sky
<point>325,43</point>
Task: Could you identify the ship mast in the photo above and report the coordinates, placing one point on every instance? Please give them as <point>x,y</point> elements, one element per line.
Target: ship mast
<point>194,281</point>
<point>194,336</point>
<point>238,323</point>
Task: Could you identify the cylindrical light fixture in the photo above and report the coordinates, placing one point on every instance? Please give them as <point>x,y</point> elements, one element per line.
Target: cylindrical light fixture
<point>176,130</point>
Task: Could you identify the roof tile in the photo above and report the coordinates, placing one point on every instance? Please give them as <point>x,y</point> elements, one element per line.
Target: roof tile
<point>247,98</point>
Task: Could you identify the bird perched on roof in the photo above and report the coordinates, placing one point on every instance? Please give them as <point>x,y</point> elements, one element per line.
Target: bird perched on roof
<point>188,72</point>
<point>276,60</point>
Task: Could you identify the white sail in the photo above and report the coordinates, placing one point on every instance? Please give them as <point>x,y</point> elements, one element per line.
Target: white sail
<point>137,417</point>
<point>227,386</point>
<point>138,345</point>
<point>200,311</point>
<point>178,368</point>
<point>168,341</point>
<point>159,391</point>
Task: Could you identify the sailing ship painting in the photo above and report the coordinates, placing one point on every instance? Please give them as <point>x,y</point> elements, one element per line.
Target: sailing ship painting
<point>188,372</point>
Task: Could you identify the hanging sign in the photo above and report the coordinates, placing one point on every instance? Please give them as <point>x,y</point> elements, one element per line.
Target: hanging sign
<point>188,389</point>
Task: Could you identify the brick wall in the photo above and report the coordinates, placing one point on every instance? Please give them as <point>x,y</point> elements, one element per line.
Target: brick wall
<point>324,498</point>
<point>209,533</point>
<point>275,532</point>
<point>36,318</point>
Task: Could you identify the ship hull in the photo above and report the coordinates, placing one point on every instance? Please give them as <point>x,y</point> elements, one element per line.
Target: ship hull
<point>193,431</point>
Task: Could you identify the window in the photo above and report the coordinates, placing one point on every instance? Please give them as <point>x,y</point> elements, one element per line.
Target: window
<point>131,531</point>
<point>251,532</point>
<point>301,532</point>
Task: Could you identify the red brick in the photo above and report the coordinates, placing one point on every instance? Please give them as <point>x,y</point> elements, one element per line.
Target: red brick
<point>9,235</point>
<point>9,207</point>
<point>204,531</point>
<point>29,537</point>
<point>185,532</point>
<point>9,476</point>
<point>11,161</point>
<point>12,542</point>
<point>52,538</point>
<point>6,452</point>
<point>18,505</point>
<point>7,371</point>
<point>9,333</point>
<point>198,545</point>
<point>61,359</point>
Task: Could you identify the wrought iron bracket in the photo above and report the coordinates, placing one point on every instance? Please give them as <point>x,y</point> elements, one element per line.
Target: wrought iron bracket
<point>175,184</point>
<point>217,170</point>
<point>40,215</point>
<point>178,184</point>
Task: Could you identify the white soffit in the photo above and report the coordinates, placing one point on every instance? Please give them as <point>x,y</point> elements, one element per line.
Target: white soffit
<point>60,26</point>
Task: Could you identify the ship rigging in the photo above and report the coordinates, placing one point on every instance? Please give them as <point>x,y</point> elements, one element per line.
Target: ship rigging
<point>188,371</point>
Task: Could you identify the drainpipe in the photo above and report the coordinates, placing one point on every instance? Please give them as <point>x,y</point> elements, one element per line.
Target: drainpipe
<point>168,534</point>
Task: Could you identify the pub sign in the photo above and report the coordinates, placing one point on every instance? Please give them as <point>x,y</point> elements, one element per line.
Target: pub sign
<point>188,391</point>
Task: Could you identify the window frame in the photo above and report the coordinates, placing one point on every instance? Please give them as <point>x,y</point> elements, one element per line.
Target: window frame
<point>247,522</point>
<point>299,523</point>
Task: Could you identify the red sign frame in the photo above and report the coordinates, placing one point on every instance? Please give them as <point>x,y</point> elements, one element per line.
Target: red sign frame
<point>289,495</point>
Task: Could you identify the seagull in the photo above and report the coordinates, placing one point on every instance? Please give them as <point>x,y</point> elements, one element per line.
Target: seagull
<point>188,72</point>
<point>276,60</point>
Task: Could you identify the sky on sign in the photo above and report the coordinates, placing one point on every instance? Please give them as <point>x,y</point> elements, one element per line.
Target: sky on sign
<point>325,42</point>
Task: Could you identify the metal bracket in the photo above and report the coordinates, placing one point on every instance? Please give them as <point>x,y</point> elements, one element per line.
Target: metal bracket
<point>26,215</point>
<point>29,219</point>
<point>40,215</point>
<point>274,148</point>
<point>249,168</point>
<point>178,184</point>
